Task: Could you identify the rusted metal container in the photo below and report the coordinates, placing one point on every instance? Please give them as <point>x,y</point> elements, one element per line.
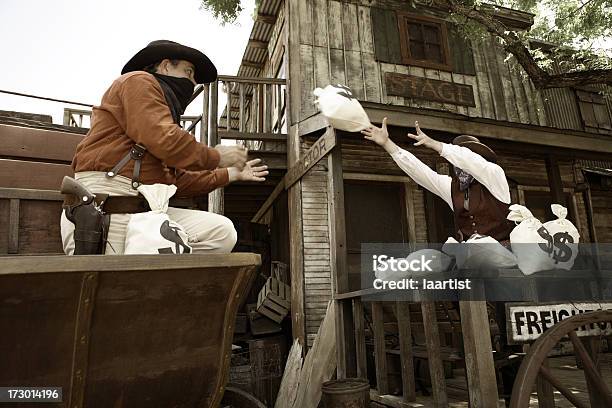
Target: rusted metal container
<point>346,393</point>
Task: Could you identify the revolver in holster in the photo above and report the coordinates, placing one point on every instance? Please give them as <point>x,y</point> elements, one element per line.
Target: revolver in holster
<point>84,209</point>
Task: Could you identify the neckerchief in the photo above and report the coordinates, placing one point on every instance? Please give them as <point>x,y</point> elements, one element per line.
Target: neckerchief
<point>465,179</point>
<point>178,92</point>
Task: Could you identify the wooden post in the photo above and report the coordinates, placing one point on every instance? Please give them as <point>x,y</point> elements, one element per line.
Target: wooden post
<point>215,198</point>
<point>13,227</point>
<point>278,107</point>
<point>241,108</point>
<point>434,359</point>
<point>296,234</point>
<point>380,353</point>
<point>554,180</point>
<point>544,389</point>
<point>344,321</point>
<point>360,346</point>
<point>260,108</point>
<point>480,370</point>
<point>204,123</point>
<point>407,359</point>
<point>228,109</point>
<point>593,346</point>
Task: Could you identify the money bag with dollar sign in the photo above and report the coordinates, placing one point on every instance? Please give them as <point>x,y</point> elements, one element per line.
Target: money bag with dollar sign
<point>539,247</point>
<point>562,239</point>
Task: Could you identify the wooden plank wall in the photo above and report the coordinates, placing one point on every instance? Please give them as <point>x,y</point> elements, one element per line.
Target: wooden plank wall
<point>317,267</point>
<point>337,46</point>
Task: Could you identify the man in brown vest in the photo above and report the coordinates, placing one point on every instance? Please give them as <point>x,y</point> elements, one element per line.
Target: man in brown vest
<point>477,192</point>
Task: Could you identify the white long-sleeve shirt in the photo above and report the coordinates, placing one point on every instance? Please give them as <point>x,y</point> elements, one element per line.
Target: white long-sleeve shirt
<point>487,173</point>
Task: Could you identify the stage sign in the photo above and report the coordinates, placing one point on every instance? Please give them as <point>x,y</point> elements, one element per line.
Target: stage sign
<point>410,86</point>
<point>527,321</point>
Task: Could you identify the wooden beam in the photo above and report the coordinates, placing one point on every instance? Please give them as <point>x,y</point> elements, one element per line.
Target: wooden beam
<point>360,346</point>
<point>487,128</point>
<point>238,135</point>
<point>406,357</point>
<point>13,227</point>
<point>269,201</point>
<point>339,266</point>
<point>554,180</point>
<point>480,370</point>
<point>380,355</point>
<point>252,64</point>
<point>312,124</point>
<point>434,360</point>
<point>266,18</point>
<point>215,198</point>
<point>257,44</point>
<point>24,265</point>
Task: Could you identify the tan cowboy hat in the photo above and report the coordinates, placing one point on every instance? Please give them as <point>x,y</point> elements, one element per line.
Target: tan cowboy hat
<point>155,51</point>
<point>474,145</point>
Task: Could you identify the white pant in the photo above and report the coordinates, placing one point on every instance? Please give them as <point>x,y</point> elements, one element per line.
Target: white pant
<point>206,231</point>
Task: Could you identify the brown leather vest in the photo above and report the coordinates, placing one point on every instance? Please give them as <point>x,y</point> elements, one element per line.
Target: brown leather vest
<point>486,216</point>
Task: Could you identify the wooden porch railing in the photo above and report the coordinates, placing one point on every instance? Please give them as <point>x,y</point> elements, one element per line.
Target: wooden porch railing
<point>255,108</point>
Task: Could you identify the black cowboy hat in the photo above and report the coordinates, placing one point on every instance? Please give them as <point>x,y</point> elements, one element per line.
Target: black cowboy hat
<point>474,145</point>
<point>156,51</point>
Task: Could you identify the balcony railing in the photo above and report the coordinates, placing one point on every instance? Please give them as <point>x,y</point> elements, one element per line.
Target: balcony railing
<point>256,108</point>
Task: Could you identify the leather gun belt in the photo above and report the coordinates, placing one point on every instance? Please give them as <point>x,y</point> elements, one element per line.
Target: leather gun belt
<point>125,205</point>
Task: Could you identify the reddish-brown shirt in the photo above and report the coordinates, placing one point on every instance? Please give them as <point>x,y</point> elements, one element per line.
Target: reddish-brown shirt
<point>134,110</point>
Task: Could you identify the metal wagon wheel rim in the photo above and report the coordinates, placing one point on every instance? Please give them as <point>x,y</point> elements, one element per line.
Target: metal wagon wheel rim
<point>532,365</point>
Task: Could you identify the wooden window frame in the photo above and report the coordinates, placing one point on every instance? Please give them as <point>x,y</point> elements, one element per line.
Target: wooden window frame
<point>402,16</point>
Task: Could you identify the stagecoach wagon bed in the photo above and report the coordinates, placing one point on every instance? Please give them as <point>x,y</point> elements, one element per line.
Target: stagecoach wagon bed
<point>126,330</point>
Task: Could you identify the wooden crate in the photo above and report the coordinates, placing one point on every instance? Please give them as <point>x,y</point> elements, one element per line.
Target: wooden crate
<point>274,300</point>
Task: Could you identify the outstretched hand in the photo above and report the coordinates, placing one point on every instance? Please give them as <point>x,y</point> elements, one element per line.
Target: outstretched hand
<point>422,139</point>
<point>378,135</point>
<point>253,172</point>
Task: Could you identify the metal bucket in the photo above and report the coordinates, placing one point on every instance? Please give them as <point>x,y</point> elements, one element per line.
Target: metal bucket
<point>346,393</point>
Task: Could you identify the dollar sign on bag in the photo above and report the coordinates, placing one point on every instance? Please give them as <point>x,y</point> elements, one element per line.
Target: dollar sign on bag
<point>346,93</point>
<point>548,246</point>
<point>563,252</point>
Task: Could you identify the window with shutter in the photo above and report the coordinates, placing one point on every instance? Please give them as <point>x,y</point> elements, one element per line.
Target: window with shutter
<point>594,112</point>
<point>424,41</point>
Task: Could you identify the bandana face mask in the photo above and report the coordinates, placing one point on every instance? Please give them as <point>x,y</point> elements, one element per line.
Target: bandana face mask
<point>178,92</point>
<point>465,179</point>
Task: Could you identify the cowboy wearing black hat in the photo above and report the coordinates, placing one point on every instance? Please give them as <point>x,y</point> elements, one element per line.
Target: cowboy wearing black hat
<point>477,192</point>
<point>135,138</point>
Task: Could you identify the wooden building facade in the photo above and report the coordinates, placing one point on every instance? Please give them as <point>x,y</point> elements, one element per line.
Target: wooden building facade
<point>409,64</point>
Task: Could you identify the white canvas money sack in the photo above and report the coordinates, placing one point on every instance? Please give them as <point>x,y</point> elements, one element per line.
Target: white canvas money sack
<point>342,110</point>
<point>153,232</point>
<point>479,252</point>
<point>539,247</point>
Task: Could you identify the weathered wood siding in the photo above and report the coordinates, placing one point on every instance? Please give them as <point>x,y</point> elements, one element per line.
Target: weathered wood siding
<point>338,44</point>
<point>317,266</point>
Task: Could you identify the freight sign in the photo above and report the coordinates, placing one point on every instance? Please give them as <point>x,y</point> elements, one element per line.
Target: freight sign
<point>410,86</point>
<point>529,321</point>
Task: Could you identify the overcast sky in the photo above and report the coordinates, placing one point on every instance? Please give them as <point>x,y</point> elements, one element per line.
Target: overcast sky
<point>73,50</point>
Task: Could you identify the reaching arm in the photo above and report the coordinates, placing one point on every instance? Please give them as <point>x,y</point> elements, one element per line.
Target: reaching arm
<point>421,173</point>
<point>489,174</point>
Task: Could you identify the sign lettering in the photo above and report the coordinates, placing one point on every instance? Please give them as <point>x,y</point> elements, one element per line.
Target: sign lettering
<point>410,86</point>
<point>316,152</point>
<point>529,321</point>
